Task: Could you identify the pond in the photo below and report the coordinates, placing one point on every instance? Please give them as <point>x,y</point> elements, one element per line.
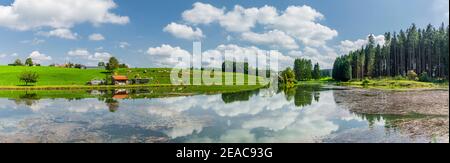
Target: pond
<point>306,114</point>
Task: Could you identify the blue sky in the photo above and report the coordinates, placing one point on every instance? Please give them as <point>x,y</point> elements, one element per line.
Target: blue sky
<point>137,31</point>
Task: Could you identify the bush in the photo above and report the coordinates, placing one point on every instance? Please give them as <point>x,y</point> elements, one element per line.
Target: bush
<point>365,82</point>
<point>412,75</point>
<point>28,77</point>
<point>424,77</point>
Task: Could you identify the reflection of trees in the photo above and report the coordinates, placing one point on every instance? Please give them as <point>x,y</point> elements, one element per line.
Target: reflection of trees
<point>238,96</point>
<point>28,99</point>
<point>389,120</point>
<point>303,95</point>
<point>112,104</point>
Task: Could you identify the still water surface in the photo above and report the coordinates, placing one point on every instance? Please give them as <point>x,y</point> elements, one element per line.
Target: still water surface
<point>305,114</point>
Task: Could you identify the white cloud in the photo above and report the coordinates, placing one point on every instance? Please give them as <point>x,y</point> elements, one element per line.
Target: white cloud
<point>58,14</point>
<point>240,19</point>
<point>96,37</point>
<point>167,50</point>
<point>168,56</point>
<point>92,58</point>
<point>346,46</point>
<point>38,57</point>
<point>299,22</point>
<point>124,45</point>
<point>202,13</point>
<point>100,56</point>
<point>61,33</point>
<point>3,55</point>
<point>14,55</point>
<point>79,53</point>
<point>183,31</point>
<point>275,39</point>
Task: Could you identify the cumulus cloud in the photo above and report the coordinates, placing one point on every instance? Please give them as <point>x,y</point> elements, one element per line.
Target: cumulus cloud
<point>202,13</point>
<point>346,46</point>
<point>38,57</point>
<point>300,22</point>
<point>100,56</point>
<point>275,39</point>
<point>91,57</point>
<point>61,33</point>
<point>168,56</point>
<point>58,14</point>
<point>96,37</point>
<point>183,31</point>
<point>79,53</point>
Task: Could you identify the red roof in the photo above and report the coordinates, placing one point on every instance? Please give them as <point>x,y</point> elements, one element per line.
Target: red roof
<point>120,78</point>
<point>120,96</point>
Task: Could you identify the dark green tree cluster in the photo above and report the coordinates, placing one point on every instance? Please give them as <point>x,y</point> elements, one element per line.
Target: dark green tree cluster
<point>316,74</point>
<point>114,64</point>
<point>237,67</point>
<point>342,71</point>
<point>422,51</point>
<point>303,69</point>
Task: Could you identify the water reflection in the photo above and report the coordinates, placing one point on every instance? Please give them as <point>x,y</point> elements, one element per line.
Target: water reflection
<point>302,114</point>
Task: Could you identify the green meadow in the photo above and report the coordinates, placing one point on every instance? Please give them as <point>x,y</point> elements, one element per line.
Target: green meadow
<point>71,78</point>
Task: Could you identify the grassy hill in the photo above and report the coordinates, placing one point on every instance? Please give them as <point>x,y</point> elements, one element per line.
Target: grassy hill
<point>55,76</point>
<point>49,75</point>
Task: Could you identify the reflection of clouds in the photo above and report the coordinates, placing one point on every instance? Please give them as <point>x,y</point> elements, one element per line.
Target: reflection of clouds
<point>185,129</point>
<point>275,120</point>
<point>7,104</point>
<point>256,105</point>
<point>269,119</point>
<point>286,122</point>
<point>81,106</point>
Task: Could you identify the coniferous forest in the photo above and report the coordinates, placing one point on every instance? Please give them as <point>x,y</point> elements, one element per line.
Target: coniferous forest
<point>424,52</point>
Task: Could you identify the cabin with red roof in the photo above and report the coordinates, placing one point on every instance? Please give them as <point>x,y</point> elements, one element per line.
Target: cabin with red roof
<point>120,80</point>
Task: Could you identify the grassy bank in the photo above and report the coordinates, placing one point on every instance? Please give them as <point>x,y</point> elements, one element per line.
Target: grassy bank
<point>144,92</point>
<point>322,81</point>
<point>55,78</point>
<point>394,84</point>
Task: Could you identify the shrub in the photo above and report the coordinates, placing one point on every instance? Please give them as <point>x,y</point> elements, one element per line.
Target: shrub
<point>28,77</point>
<point>365,82</point>
<point>412,75</point>
<point>424,77</point>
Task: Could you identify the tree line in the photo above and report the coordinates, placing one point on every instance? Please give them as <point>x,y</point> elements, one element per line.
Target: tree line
<point>414,51</point>
<point>303,70</point>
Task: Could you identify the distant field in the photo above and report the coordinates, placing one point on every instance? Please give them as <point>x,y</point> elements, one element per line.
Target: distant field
<point>49,75</point>
<point>54,76</point>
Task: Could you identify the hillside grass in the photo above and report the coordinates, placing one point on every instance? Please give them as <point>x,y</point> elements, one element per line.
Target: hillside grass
<point>394,84</point>
<point>55,78</point>
<point>49,75</point>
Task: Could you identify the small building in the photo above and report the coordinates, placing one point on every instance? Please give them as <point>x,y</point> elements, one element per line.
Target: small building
<point>96,82</point>
<point>120,80</point>
<point>94,67</point>
<point>140,81</point>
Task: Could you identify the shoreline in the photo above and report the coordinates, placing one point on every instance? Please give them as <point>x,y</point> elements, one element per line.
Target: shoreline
<point>230,88</point>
